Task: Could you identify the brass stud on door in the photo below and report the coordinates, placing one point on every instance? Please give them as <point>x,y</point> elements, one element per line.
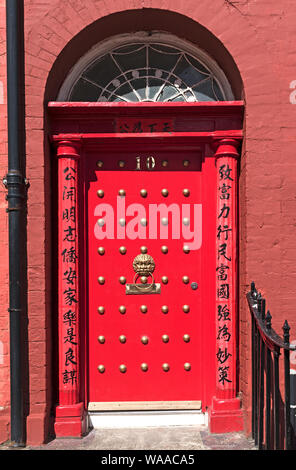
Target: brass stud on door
<point>101,339</point>
<point>122,368</point>
<point>186,163</point>
<point>164,192</point>
<point>101,368</point>
<point>186,221</point>
<point>164,309</point>
<point>165,367</point>
<point>122,222</point>
<point>122,250</point>
<point>143,308</point>
<point>186,338</point>
<point>186,192</point>
<point>100,164</point>
<point>185,279</point>
<point>122,339</point>
<point>187,366</point>
<point>165,338</point>
<point>164,249</point>
<point>101,222</point>
<point>145,339</point>
<point>144,367</point>
<point>122,309</point>
<point>121,192</point>
<point>165,279</point>
<point>143,192</point>
<point>164,163</point>
<point>143,222</point>
<point>101,280</point>
<point>101,250</point>
<point>186,249</point>
<point>100,193</point>
<point>101,310</point>
<point>164,221</point>
<point>144,279</point>
<point>143,249</point>
<point>186,308</point>
<point>122,280</point>
<point>121,164</point>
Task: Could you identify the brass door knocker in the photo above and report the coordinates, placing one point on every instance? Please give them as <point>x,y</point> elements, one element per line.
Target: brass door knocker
<point>144,267</point>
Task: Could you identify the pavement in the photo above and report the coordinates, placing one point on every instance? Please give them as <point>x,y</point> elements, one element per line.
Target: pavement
<point>150,438</point>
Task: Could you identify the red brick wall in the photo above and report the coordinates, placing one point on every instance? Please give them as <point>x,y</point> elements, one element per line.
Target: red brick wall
<point>259,39</point>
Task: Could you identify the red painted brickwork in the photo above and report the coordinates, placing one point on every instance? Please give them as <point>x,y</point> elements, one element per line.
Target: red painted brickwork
<point>259,38</point>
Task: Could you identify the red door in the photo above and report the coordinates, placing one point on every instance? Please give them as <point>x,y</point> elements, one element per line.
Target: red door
<point>145,340</point>
<point>159,331</point>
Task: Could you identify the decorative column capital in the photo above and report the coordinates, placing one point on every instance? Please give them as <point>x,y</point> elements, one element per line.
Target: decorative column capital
<point>68,148</point>
<point>226,147</point>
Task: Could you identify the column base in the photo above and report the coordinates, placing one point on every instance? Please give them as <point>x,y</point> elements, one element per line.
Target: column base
<point>70,421</point>
<point>226,416</point>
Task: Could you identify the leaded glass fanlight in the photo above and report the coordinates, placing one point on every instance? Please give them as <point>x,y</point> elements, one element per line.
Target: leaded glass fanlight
<point>144,70</point>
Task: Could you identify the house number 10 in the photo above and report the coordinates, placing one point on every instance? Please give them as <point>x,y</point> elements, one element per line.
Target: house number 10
<point>150,163</point>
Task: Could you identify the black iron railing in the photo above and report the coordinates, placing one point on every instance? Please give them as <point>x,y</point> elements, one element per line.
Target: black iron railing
<point>271,420</point>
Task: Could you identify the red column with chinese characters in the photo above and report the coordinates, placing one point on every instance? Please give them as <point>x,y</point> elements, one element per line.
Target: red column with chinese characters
<point>226,414</point>
<point>70,415</point>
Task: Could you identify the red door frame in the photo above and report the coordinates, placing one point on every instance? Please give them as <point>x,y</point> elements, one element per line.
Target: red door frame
<point>77,127</point>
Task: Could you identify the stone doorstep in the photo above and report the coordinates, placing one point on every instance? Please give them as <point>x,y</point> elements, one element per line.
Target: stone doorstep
<point>150,438</point>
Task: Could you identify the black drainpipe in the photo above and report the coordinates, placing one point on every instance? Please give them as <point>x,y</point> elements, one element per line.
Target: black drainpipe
<point>16,197</point>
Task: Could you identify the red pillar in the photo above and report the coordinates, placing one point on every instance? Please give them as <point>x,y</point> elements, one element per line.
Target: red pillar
<point>226,414</point>
<point>70,415</point>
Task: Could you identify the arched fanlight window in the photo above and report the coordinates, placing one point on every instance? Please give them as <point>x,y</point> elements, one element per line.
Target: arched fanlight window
<point>146,70</point>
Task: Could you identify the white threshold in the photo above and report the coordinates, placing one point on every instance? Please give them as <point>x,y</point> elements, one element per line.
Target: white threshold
<point>142,419</point>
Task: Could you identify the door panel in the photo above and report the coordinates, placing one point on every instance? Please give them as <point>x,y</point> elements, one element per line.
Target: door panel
<point>161,350</point>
